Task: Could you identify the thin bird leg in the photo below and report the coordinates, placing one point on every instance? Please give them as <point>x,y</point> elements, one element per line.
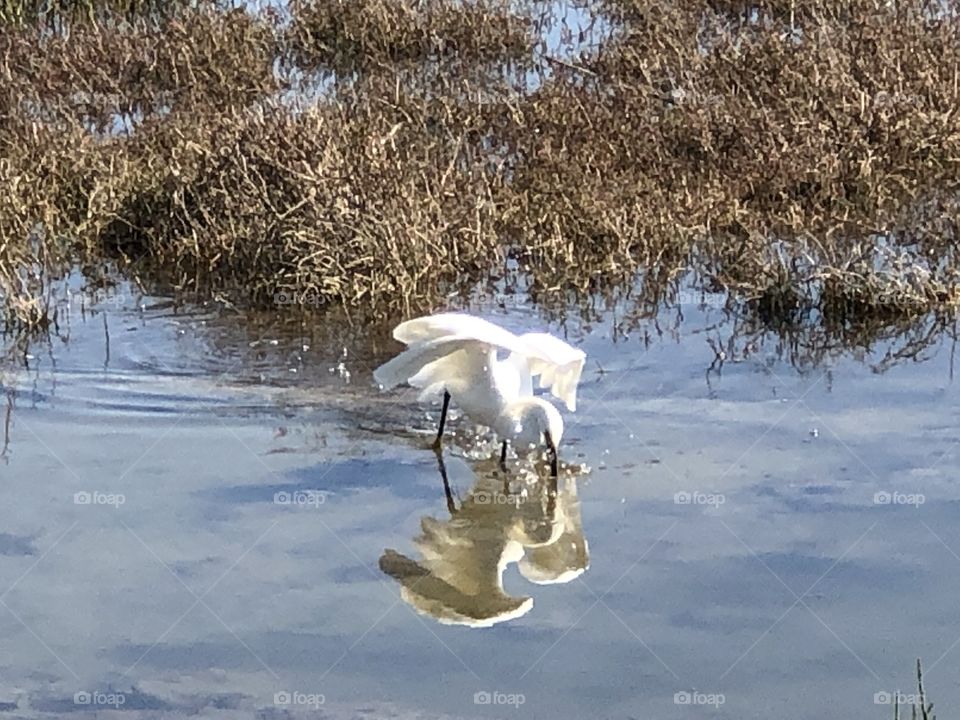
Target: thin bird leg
<point>451,505</point>
<point>552,499</point>
<point>503,456</point>
<point>552,452</point>
<point>443,420</point>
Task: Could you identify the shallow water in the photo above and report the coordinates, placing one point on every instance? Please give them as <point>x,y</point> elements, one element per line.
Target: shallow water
<point>198,508</point>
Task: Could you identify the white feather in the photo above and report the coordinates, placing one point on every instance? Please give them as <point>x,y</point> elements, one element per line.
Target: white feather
<point>558,364</point>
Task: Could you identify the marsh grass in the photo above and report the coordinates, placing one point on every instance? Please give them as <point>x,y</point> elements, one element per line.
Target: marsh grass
<point>361,35</point>
<point>379,155</point>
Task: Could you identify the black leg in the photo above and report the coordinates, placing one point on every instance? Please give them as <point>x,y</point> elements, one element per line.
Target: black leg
<point>443,419</point>
<point>503,455</point>
<point>552,453</point>
<point>451,505</point>
<point>552,498</point>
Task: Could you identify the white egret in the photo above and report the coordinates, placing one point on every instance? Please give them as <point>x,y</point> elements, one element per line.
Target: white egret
<point>457,354</point>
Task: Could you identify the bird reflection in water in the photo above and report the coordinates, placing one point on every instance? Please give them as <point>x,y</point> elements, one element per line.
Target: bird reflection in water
<point>459,580</point>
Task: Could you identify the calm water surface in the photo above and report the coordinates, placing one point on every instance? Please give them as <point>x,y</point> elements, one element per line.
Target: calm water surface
<point>213,516</point>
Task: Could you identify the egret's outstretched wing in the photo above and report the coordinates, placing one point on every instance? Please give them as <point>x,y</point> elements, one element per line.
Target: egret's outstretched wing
<point>404,366</point>
<point>558,364</point>
<point>443,360</point>
<point>522,366</point>
<point>433,327</point>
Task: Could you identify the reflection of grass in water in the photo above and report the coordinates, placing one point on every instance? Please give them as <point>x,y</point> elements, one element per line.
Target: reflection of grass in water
<point>801,157</point>
<point>7,422</point>
<point>920,709</point>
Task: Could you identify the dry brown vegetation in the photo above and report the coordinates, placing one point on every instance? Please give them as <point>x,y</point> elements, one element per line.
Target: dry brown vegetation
<point>379,154</point>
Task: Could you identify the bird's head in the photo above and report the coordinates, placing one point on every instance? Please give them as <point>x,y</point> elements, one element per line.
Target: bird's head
<point>533,421</point>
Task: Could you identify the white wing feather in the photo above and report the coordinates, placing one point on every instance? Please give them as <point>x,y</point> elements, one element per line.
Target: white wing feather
<point>432,327</point>
<point>558,364</point>
<point>427,363</point>
<point>431,338</point>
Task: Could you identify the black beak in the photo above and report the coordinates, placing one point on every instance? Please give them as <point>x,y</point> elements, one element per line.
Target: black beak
<point>552,449</point>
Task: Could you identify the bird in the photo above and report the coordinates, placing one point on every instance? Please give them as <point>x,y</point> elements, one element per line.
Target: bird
<point>459,355</point>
